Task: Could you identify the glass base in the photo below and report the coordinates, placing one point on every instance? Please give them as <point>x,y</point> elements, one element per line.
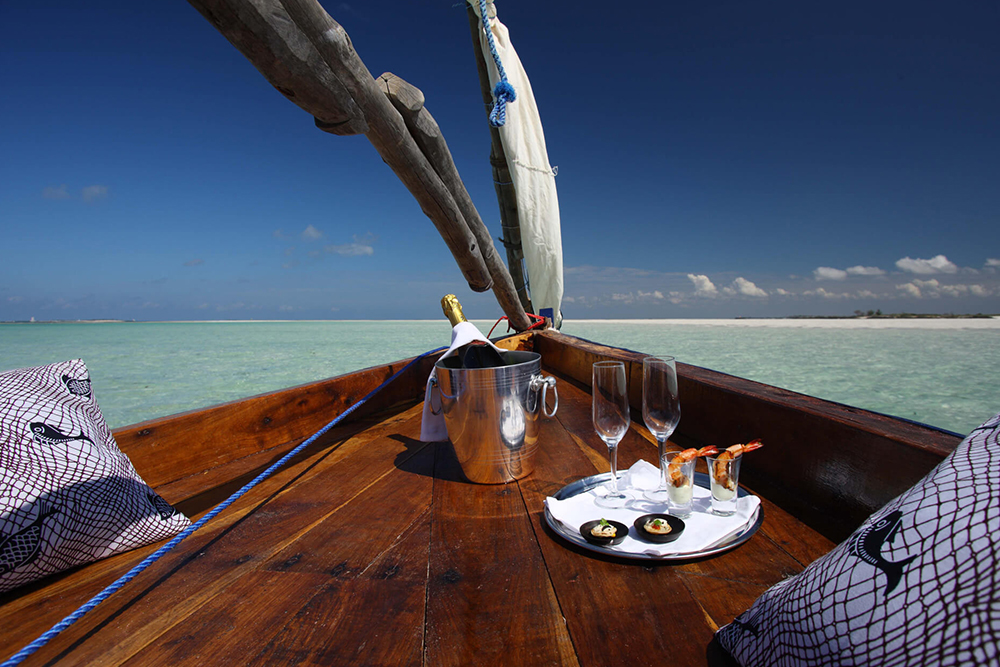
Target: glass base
<point>657,495</point>
<point>612,501</point>
<point>718,511</point>
<point>680,512</point>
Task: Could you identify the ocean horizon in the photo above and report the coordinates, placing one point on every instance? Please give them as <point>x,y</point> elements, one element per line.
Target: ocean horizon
<point>937,371</point>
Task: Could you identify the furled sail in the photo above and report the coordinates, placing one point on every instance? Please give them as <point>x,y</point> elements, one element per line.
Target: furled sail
<point>533,177</point>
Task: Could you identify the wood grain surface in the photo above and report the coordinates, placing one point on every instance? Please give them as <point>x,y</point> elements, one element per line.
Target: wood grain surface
<point>370,547</point>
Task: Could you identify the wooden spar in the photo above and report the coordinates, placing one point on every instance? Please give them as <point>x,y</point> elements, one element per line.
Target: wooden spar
<point>310,60</point>
<point>409,102</point>
<point>306,23</point>
<point>502,181</point>
<point>264,33</point>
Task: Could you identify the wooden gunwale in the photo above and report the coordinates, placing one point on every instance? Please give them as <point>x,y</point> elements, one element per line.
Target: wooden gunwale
<point>438,571</point>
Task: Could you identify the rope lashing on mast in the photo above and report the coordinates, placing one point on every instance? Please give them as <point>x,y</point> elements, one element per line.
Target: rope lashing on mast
<point>503,92</point>
<point>115,586</point>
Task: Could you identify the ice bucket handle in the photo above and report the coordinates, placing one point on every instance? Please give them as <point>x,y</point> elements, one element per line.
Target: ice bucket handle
<point>544,383</point>
<point>441,397</point>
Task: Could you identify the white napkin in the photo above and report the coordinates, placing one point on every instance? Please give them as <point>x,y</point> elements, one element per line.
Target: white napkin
<point>432,427</point>
<point>702,530</point>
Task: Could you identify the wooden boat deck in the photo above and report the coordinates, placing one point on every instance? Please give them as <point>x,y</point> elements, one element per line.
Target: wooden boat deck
<point>370,548</point>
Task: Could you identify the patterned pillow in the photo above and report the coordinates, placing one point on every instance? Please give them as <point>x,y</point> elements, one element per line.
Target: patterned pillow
<point>917,584</point>
<point>68,495</point>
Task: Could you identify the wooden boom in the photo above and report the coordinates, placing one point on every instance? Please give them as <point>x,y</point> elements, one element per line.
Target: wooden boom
<point>309,58</point>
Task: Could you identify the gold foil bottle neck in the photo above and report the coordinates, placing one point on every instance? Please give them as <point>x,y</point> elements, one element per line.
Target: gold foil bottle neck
<point>452,309</point>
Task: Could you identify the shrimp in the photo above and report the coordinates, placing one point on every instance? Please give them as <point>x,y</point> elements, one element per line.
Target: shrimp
<point>678,478</point>
<point>729,454</point>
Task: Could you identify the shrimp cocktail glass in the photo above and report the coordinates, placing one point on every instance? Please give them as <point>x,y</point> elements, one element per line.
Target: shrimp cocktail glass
<point>724,476</point>
<point>681,486</point>
<point>680,479</point>
<point>611,420</point>
<point>661,411</point>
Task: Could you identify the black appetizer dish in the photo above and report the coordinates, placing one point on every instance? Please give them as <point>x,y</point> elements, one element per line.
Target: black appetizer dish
<point>658,528</point>
<point>600,532</point>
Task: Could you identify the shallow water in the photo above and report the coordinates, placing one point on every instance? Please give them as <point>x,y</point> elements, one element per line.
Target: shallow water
<point>944,375</point>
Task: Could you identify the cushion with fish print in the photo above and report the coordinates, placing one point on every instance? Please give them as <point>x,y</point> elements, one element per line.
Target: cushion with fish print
<point>68,495</point>
<point>916,584</point>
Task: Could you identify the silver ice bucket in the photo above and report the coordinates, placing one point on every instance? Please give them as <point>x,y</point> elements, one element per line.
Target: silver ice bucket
<point>492,414</point>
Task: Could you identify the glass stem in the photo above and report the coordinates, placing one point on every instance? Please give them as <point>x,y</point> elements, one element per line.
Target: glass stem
<point>613,452</point>
<point>663,464</point>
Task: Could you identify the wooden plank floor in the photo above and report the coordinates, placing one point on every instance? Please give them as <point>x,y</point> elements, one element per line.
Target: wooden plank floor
<point>371,549</point>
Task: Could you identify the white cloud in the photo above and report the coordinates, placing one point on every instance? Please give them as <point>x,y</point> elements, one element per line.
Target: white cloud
<point>630,297</point>
<point>92,192</point>
<point>820,292</point>
<point>954,290</point>
<point>351,249</point>
<point>936,264</point>
<point>279,234</point>
<point>865,271</point>
<point>827,273</point>
<point>310,233</point>
<point>747,288</point>
<point>362,246</point>
<point>606,272</point>
<point>993,262</point>
<point>627,289</point>
<point>702,285</point>
<point>927,288</point>
<point>194,262</point>
<point>934,289</point>
<point>56,192</point>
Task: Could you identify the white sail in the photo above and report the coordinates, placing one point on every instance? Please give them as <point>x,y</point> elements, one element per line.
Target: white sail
<point>533,177</point>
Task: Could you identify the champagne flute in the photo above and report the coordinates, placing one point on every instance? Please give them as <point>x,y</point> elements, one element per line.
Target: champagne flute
<point>611,420</point>
<point>661,410</point>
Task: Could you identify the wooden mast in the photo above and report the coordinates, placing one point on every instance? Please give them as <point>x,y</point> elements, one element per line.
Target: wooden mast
<point>503,183</point>
<point>409,102</point>
<point>309,58</point>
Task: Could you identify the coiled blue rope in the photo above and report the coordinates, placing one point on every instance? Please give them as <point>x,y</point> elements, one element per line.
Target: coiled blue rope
<point>54,631</point>
<point>503,92</point>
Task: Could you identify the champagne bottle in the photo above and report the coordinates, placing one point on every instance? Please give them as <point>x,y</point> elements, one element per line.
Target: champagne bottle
<point>477,353</point>
<point>452,309</point>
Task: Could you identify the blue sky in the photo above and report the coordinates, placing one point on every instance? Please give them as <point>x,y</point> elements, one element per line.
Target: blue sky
<point>715,159</point>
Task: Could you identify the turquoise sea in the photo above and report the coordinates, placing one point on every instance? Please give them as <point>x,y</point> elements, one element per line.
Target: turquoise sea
<point>939,372</point>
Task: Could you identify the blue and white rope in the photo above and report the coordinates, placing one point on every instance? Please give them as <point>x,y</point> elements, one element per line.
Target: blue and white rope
<point>54,631</point>
<point>503,92</point>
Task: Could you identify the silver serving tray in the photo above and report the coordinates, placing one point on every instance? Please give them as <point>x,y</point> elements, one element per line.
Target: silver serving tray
<point>572,534</point>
